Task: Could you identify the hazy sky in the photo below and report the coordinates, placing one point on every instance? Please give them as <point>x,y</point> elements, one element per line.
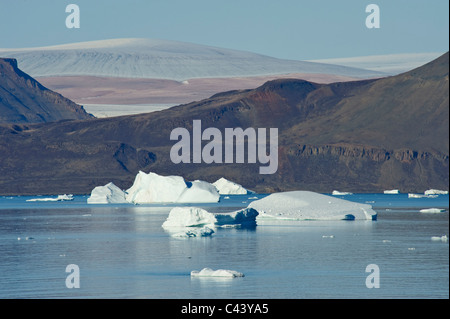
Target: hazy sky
<point>290,29</point>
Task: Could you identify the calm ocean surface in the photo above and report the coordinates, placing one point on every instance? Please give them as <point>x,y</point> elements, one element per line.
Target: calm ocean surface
<point>123,252</point>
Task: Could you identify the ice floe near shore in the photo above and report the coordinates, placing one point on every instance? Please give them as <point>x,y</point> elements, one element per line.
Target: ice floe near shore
<point>109,193</point>
<point>444,238</point>
<point>435,192</point>
<point>336,193</point>
<point>226,187</point>
<point>392,191</point>
<point>305,205</point>
<point>208,272</point>
<point>60,198</point>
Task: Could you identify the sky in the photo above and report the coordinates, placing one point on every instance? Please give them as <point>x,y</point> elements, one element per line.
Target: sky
<point>287,29</point>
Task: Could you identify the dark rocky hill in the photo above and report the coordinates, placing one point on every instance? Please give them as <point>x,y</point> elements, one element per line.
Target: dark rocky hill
<point>24,100</point>
<point>363,136</point>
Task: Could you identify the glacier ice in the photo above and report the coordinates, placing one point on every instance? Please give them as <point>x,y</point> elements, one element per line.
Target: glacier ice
<point>305,205</point>
<point>60,198</point>
<point>226,187</point>
<point>106,194</point>
<point>154,188</point>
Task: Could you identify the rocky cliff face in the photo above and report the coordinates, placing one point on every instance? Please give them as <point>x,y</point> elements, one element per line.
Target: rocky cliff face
<point>24,100</point>
<point>364,136</point>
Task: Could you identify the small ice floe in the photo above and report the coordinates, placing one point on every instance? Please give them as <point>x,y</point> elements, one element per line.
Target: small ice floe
<point>26,238</point>
<point>336,193</point>
<point>444,238</point>
<point>435,192</point>
<point>386,241</point>
<point>60,198</point>
<point>410,195</point>
<point>411,248</point>
<point>392,191</point>
<point>328,236</point>
<point>432,210</point>
<point>208,272</point>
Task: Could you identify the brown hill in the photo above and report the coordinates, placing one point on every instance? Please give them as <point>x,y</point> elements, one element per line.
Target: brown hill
<point>24,100</point>
<point>363,136</point>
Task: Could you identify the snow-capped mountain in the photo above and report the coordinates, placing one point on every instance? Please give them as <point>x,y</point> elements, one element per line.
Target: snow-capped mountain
<point>161,59</point>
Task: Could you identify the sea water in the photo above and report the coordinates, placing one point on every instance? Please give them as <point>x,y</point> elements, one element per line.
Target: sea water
<point>121,251</point>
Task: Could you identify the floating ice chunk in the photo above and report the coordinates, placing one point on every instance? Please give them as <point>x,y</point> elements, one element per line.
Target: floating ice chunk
<point>154,188</point>
<point>432,210</point>
<point>416,195</point>
<point>109,193</point>
<point>199,192</point>
<point>435,192</point>
<point>392,191</point>
<point>440,238</point>
<point>340,193</point>
<point>208,272</point>
<point>189,217</point>
<point>60,198</point>
<point>205,231</point>
<point>305,205</point>
<point>226,187</point>
<point>243,217</point>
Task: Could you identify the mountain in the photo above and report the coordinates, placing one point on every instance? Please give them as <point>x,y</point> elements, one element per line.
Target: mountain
<point>359,136</point>
<point>391,64</point>
<point>161,59</point>
<point>24,100</point>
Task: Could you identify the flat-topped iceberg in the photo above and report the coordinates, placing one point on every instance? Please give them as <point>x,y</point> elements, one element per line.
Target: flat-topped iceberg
<point>305,205</point>
<point>154,188</point>
<point>107,194</point>
<point>60,198</point>
<point>432,210</point>
<point>208,272</point>
<point>392,191</point>
<point>226,187</point>
<point>435,192</point>
<point>337,193</point>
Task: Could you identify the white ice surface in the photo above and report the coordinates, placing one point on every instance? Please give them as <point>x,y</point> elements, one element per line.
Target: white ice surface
<point>161,59</point>
<point>392,191</point>
<point>435,192</point>
<point>154,188</point>
<point>432,210</point>
<point>60,198</point>
<point>107,194</point>
<point>305,205</point>
<point>208,272</point>
<point>340,193</point>
<point>226,187</point>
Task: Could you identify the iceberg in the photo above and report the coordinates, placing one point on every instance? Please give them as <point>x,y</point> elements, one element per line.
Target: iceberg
<point>440,238</point>
<point>432,210</point>
<point>306,205</point>
<point>107,194</point>
<point>245,217</point>
<point>392,191</point>
<point>208,272</point>
<point>226,187</point>
<point>189,217</point>
<point>435,192</point>
<point>340,193</point>
<point>154,188</point>
<point>60,198</point>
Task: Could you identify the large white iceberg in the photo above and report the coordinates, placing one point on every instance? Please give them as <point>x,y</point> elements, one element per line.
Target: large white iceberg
<point>107,194</point>
<point>226,187</point>
<point>154,188</point>
<point>305,205</point>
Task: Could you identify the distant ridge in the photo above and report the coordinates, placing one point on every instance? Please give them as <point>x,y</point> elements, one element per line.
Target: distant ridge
<point>162,59</point>
<point>25,100</point>
<point>359,136</point>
